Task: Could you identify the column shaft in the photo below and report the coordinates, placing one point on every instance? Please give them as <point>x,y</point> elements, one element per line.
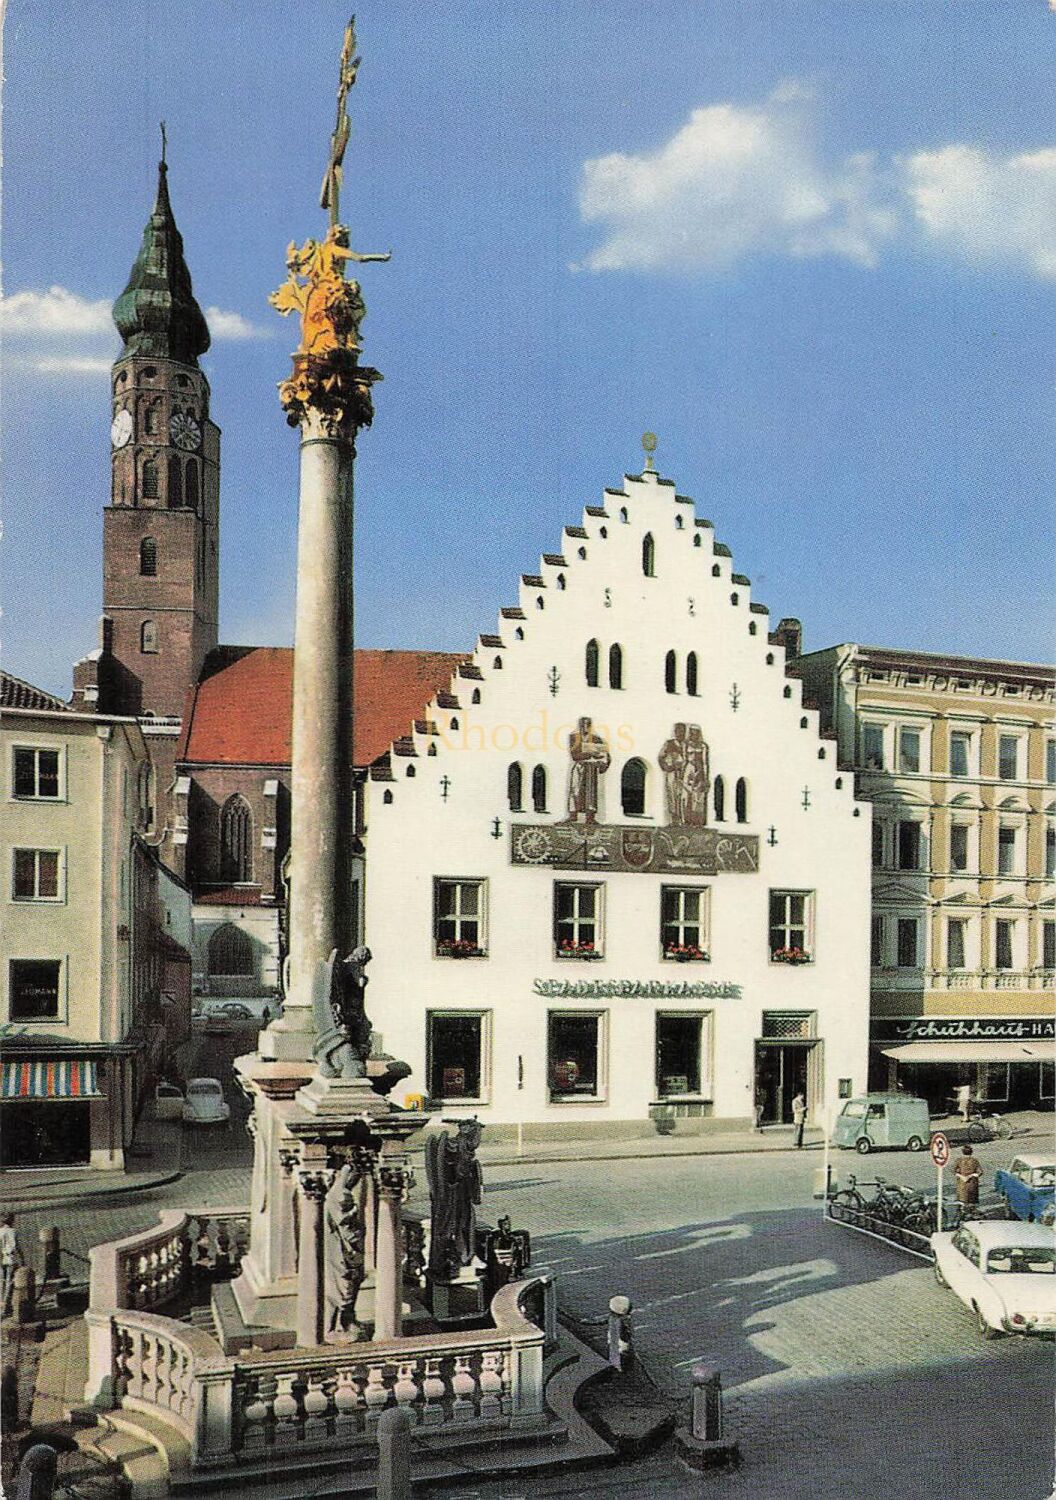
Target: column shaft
<point>388,1305</point>
<point>310,1270</point>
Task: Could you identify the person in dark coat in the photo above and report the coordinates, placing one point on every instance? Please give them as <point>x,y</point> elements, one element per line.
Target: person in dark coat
<point>967,1175</point>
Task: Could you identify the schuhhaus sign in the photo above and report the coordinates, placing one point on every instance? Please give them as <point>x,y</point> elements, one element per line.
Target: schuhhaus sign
<point>984,1029</point>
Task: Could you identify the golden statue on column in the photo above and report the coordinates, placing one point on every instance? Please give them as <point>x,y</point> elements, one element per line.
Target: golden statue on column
<point>326,373</point>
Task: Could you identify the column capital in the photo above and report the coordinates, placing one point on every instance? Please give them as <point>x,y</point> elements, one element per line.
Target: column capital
<point>328,396</point>
<point>314,1183</point>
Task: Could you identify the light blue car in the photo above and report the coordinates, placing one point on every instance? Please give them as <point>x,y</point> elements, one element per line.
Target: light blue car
<point>1028,1186</point>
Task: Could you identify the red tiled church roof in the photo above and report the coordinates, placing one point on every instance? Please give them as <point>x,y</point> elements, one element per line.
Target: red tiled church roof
<point>240,713</point>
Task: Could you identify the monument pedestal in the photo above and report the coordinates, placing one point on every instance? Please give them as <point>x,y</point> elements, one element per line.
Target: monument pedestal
<point>460,1301</point>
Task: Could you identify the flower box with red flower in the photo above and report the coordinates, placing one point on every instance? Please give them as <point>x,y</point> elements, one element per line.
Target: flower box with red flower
<point>790,956</point>
<point>686,953</point>
<point>569,949</point>
<point>458,948</point>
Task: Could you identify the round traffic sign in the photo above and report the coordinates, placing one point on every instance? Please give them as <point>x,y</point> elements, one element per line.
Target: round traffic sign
<point>940,1149</point>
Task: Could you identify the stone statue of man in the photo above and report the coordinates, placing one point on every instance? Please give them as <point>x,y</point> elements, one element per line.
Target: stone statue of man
<point>455,1188</point>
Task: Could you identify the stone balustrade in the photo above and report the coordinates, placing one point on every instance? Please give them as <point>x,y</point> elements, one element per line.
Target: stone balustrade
<point>148,1270</point>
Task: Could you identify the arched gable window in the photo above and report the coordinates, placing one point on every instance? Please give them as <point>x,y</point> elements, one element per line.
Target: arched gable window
<point>175,496</point>
<point>539,789</point>
<point>593,669</point>
<point>648,555</point>
<point>615,666</point>
<point>515,786</point>
<point>190,484</point>
<point>148,637</point>
<point>740,800</point>
<point>236,840</point>
<point>632,788</point>
<point>150,480</point>
<point>671,672</point>
<point>719,795</point>
<point>148,557</point>
<point>230,951</point>
<point>691,674</point>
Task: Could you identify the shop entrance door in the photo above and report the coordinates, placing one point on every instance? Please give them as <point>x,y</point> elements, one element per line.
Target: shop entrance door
<point>39,1134</point>
<point>781,1074</point>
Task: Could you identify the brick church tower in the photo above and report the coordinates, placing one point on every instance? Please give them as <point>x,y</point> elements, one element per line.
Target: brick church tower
<point>161,527</point>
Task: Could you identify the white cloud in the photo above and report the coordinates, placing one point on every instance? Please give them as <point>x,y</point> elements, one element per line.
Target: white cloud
<point>68,364</point>
<point>54,313</point>
<point>735,181</point>
<point>987,208</point>
<point>232,325</point>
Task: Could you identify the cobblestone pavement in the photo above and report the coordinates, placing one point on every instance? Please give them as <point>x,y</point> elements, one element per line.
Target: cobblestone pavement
<point>848,1372</point>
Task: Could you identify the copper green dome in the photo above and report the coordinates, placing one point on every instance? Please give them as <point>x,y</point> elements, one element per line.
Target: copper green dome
<point>156,313</point>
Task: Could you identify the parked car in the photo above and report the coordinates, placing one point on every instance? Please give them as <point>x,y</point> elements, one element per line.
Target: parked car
<point>168,1102</point>
<point>234,1010</point>
<point>1004,1271</point>
<point>883,1121</point>
<point>216,1023</point>
<point>205,1103</point>
<point>1028,1186</point>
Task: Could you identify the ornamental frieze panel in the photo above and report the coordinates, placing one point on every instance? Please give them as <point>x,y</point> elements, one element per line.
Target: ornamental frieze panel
<point>677,849</point>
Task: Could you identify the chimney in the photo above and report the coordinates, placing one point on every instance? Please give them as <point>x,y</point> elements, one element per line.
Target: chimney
<point>789,633</point>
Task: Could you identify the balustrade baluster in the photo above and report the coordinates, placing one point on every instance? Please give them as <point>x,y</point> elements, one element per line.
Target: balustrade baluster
<point>406,1389</point>
<point>491,1385</point>
<point>317,1409</point>
<point>433,1390</point>
<point>376,1395</point>
<point>287,1412</point>
<point>223,1247</point>
<point>255,1410</point>
<point>464,1385</point>
<point>349,1402</point>
<point>507,1382</point>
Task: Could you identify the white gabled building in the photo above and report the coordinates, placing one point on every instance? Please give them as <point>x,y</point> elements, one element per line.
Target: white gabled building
<point>572,920</point>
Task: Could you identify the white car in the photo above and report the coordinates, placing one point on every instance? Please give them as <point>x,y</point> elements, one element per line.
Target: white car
<point>1005,1271</point>
<point>205,1103</point>
<point>168,1102</point>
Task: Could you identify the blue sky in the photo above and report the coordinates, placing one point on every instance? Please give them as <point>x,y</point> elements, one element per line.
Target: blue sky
<point>810,243</point>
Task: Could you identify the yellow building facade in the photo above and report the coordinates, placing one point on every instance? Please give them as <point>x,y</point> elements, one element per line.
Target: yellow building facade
<point>958,758</point>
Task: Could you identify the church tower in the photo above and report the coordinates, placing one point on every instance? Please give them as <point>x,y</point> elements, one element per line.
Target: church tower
<point>161,528</point>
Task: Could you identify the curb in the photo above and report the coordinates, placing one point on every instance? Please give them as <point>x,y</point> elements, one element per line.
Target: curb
<point>27,1205</point>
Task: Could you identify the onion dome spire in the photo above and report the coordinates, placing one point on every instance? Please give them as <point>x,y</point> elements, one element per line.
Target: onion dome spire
<point>156,313</point>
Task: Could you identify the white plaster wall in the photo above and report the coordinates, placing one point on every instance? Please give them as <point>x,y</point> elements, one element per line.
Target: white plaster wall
<point>421,835</point>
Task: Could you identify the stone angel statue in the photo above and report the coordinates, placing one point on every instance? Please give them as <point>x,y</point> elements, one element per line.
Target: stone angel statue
<point>455,1188</point>
<point>342,1028</point>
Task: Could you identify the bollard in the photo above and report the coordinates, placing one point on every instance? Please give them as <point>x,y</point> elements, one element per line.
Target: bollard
<point>25,1297</point>
<point>9,1398</point>
<point>50,1252</point>
<point>36,1474</point>
<point>394,1454</point>
<point>704,1445</point>
<point>621,1350</point>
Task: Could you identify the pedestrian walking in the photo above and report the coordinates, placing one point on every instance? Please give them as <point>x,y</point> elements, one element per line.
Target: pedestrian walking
<point>964,1100</point>
<point>967,1174</point>
<point>760,1108</point>
<point>799,1116</point>
<point>10,1259</point>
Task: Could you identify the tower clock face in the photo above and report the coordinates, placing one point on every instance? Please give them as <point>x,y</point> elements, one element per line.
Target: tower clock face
<point>184,431</point>
<point>121,428</point>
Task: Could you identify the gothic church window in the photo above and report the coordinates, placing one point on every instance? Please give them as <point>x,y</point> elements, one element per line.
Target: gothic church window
<point>175,497</point>
<point>150,480</point>
<point>148,557</point>
<point>691,674</point>
<point>515,786</point>
<point>649,555</point>
<point>236,841</point>
<point>670,672</point>
<point>230,951</point>
<point>148,637</point>
<point>719,796</point>
<point>740,800</point>
<point>190,485</point>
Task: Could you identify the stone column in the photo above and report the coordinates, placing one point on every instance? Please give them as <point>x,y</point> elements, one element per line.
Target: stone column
<point>394,1179</point>
<point>314,1186</point>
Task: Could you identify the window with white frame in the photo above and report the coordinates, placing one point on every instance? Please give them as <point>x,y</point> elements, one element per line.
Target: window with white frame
<point>684,921</point>
<point>1004,943</point>
<point>457,1048</point>
<point>956,933</point>
<point>1050,852</point>
<point>958,848</point>
<point>960,752</point>
<point>908,943</point>
<point>459,910</point>
<point>1050,762</point>
<point>34,989</point>
<point>909,850</point>
<point>791,926</point>
<point>36,773</point>
<point>681,1065</point>
<point>36,875</point>
<point>1048,945</point>
<point>577,920</point>
<point>1006,849</point>
<point>575,1055</point>
<point>873,747</point>
<point>1008,757</point>
<point>908,749</point>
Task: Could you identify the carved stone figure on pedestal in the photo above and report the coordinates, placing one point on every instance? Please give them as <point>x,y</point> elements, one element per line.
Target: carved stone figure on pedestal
<point>672,760</point>
<point>696,778</point>
<point>342,1029</point>
<point>344,1259</point>
<point>455,1188</point>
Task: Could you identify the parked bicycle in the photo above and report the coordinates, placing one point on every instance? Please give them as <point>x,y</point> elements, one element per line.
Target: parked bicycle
<point>986,1125</point>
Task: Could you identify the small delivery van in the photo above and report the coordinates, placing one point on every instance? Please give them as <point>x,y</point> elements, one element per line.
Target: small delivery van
<point>877,1122</point>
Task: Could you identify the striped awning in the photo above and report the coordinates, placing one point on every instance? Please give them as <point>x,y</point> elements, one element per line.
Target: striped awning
<point>51,1078</point>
